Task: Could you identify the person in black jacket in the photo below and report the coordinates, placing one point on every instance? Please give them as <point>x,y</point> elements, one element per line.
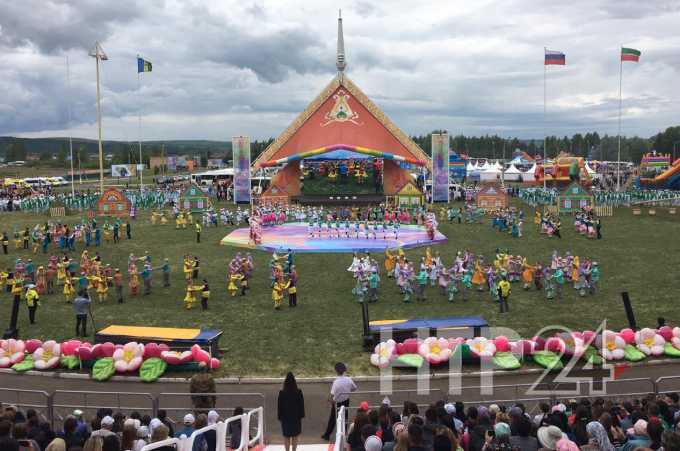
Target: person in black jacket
<point>291,411</point>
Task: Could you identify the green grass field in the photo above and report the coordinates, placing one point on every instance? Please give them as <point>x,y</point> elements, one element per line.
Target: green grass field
<point>640,255</point>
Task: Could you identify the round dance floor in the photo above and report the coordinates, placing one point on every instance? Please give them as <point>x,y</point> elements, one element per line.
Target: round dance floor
<point>295,236</point>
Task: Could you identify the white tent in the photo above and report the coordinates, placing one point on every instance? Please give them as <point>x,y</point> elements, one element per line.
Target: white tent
<point>498,166</point>
<point>490,174</point>
<point>530,174</point>
<point>512,174</point>
<point>485,166</point>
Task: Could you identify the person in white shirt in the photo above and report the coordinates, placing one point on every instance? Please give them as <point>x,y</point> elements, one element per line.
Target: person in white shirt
<point>339,396</point>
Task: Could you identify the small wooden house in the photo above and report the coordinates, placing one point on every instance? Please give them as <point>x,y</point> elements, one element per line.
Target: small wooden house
<point>113,203</point>
<point>492,197</point>
<point>194,200</point>
<point>574,199</point>
<point>409,194</point>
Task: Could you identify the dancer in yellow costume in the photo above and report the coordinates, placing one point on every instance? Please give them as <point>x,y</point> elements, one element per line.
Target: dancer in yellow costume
<point>188,268</point>
<point>277,292</point>
<point>233,279</point>
<point>61,272</point>
<point>69,291</point>
<point>478,277</point>
<point>102,287</point>
<point>390,260</point>
<point>189,297</point>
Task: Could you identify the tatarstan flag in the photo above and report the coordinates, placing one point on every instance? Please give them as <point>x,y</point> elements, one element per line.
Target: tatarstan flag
<point>628,54</point>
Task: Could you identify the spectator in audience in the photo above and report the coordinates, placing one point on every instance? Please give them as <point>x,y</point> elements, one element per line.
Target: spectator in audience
<point>451,440</point>
<point>199,441</point>
<point>7,443</point>
<point>415,437</point>
<point>340,390</point>
<point>129,437</point>
<point>163,417</point>
<point>499,439</point>
<point>373,443</point>
<point>402,443</point>
<point>20,434</point>
<point>548,436</point>
<point>111,443</point>
<point>409,410</point>
<point>106,426</point>
<point>290,412</point>
<point>58,444</point>
<point>5,427</point>
<point>639,439</point>
<point>160,433</point>
<point>655,430</point>
<point>354,434</point>
<point>521,433</point>
<point>385,421</point>
<point>581,420</point>
<point>69,435</point>
<point>211,436</point>
<point>188,427</point>
<point>234,430</point>
<point>598,440</point>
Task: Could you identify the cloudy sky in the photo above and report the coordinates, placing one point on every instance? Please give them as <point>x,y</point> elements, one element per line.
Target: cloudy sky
<point>223,68</point>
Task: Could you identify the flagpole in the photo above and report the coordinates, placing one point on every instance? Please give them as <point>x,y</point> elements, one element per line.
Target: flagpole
<point>545,117</point>
<point>139,129</point>
<point>99,127</point>
<point>618,158</point>
<point>70,135</point>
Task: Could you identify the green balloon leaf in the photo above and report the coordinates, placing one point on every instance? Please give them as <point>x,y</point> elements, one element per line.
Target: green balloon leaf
<point>24,365</point>
<point>103,369</point>
<point>152,369</point>
<point>70,362</point>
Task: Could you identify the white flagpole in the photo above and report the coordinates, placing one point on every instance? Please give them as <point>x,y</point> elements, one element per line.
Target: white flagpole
<point>70,137</point>
<point>618,158</point>
<point>545,117</point>
<point>139,129</point>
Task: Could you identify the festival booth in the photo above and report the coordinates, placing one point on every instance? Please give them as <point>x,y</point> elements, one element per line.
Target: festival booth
<point>512,174</point>
<point>194,200</point>
<point>113,203</point>
<point>492,197</point>
<point>529,176</point>
<point>574,199</point>
<point>409,195</point>
<point>489,173</point>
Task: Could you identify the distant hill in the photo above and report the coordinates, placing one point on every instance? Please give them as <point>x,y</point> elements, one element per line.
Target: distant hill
<point>54,145</point>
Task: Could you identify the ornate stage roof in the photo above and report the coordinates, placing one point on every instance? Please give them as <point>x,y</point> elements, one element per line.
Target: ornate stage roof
<point>342,113</point>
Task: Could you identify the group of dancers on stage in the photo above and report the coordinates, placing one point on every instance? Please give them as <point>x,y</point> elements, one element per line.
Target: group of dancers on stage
<point>354,229</point>
<point>469,272</point>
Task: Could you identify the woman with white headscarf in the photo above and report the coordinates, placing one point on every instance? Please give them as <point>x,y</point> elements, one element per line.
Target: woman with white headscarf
<point>598,440</point>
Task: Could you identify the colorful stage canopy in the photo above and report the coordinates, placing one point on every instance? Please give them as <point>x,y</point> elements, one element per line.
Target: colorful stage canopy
<point>327,149</point>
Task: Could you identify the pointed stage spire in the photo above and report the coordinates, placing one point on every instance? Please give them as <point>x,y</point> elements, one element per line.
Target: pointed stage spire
<point>340,63</point>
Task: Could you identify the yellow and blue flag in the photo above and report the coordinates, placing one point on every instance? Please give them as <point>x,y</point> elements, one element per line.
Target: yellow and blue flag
<point>143,65</point>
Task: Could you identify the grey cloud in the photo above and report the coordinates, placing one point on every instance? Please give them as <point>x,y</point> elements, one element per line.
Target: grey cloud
<point>54,25</point>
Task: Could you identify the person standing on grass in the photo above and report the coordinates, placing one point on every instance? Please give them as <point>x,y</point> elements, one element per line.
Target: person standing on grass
<point>205,294</point>
<point>291,411</point>
<point>81,306</point>
<point>5,242</point>
<point>165,269</point>
<point>504,294</point>
<point>33,301</point>
<point>118,285</point>
<point>198,232</point>
<point>339,396</point>
<point>128,230</point>
<point>116,233</point>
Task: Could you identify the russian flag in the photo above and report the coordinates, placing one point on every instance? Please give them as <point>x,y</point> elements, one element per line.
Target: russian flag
<point>555,58</point>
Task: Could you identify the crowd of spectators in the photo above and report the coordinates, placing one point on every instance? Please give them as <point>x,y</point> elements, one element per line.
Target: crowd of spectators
<point>599,425</point>
<point>107,431</point>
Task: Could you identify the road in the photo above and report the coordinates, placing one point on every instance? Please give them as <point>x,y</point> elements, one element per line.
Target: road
<point>71,393</point>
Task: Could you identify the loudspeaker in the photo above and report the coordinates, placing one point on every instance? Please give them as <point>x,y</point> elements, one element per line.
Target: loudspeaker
<point>629,310</point>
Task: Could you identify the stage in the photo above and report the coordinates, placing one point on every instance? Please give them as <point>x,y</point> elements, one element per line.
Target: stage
<point>295,236</point>
<point>175,338</point>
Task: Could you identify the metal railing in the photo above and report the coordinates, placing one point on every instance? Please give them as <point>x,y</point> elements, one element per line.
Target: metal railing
<point>65,401</point>
<point>224,402</point>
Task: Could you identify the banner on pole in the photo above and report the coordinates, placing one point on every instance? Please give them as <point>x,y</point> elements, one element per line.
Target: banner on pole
<point>240,146</point>
<point>171,163</point>
<point>123,170</point>
<point>440,167</point>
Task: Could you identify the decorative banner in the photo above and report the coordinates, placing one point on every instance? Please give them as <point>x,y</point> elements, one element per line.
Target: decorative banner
<point>123,170</point>
<point>240,146</point>
<point>171,163</point>
<point>440,167</point>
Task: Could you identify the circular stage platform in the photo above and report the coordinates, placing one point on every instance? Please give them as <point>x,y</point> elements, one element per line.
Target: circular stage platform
<point>295,236</point>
